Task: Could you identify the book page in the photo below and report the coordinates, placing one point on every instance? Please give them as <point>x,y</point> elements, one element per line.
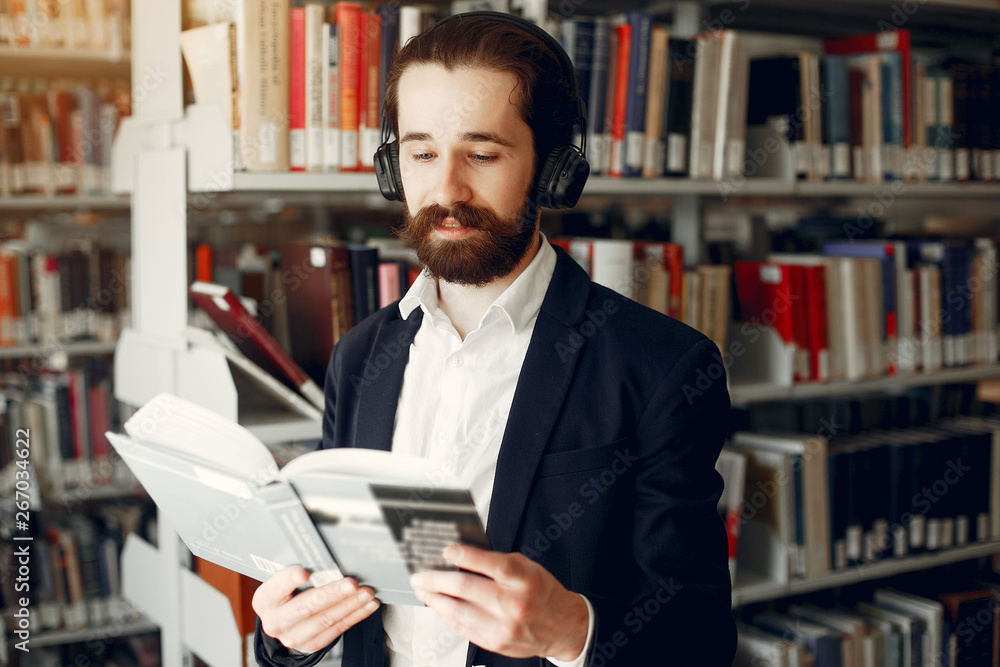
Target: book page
<point>182,426</point>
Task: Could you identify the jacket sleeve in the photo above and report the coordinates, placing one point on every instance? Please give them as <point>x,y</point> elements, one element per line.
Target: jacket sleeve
<point>679,611</point>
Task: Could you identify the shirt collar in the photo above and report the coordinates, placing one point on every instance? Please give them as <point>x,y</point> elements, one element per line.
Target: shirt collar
<point>520,302</point>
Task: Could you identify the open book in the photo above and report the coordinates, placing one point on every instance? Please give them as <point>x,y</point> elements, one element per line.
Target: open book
<point>369,514</point>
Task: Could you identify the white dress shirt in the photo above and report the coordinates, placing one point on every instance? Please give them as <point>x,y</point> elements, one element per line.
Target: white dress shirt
<point>453,407</point>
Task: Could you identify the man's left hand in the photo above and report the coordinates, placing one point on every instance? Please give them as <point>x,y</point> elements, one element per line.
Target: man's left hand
<point>517,608</point>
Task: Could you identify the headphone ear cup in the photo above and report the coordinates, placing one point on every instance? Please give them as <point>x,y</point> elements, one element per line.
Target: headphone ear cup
<point>387,171</point>
<point>561,178</point>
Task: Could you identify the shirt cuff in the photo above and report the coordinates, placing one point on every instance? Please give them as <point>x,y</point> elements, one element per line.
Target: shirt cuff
<point>581,659</point>
<point>269,651</point>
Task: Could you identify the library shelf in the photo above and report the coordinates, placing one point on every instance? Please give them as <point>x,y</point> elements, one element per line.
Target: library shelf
<point>745,394</point>
<point>749,588</point>
<point>364,183</point>
<point>43,203</point>
<point>48,62</point>
<point>135,626</point>
<point>72,349</point>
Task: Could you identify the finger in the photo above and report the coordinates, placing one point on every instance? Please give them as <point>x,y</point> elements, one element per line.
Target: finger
<point>480,591</point>
<point>279,588</point>
<point>462,617</point>
<point>322,628</point>
<point>495,565</point>
<point>315,600</point>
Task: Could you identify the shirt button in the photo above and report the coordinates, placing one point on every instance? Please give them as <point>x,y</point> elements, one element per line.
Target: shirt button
<point>442,437</point>
<point>456,361</point>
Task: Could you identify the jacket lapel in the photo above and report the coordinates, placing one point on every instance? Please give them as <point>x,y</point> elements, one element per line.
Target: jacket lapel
<point>545,377</point>
<point>379,392</point>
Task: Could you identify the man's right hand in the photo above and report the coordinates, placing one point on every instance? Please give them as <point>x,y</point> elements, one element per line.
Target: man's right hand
<point>313,619</point>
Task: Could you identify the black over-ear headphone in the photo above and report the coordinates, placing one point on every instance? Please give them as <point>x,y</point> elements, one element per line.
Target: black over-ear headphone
<point>563,173</point>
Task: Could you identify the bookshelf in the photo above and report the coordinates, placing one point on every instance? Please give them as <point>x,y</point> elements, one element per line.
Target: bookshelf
<point>173,158</point>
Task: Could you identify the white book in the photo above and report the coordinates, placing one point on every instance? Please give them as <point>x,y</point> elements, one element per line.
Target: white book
<point>376,515</point>
<point>931,611</point>
<point>317,63</point>
<point>612,265</point>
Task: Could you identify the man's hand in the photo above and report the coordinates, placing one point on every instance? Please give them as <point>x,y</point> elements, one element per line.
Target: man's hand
<point>517,609</point>
<point>313,619</point>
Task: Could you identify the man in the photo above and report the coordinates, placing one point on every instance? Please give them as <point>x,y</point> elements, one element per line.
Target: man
<point>575,415</point>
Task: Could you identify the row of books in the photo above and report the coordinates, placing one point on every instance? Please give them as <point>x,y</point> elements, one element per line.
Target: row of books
<point>865,308</point>
<point>74,578</point>
<point>79,292</point>
<point>654,274</point>
<point>798,506</point>
<point>74,25</point>
<point>722,105</point>
<point>304,84</point>
<point>67,414</point>
<point>323,287</point>
<point>56,136</point>
<point>894,628</point>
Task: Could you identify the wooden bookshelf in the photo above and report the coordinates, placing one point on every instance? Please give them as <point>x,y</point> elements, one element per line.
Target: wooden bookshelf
<point>48,62</point>
<point>746,394</point>
<point>125,628</point>
<point>750,588</point>
<point>57,203</point>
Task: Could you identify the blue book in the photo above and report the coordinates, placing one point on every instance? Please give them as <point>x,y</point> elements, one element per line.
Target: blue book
<point>836,99</point>
<point>824,643</point>
<point>364,279</point>
<point>954,260</point>
<point>641,25</point>
<point>389,15</point>
<point>892,114</point>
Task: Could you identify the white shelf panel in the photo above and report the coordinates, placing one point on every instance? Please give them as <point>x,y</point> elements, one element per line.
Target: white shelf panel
<point>756,393</point>
<point>64,203</point>
<point>365,183</point>
<point>59,637</point>
<point>755,589</point>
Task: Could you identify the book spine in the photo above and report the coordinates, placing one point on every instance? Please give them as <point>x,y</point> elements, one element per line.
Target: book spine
<point>348,17</point>
<point>619,107</point>
<point>314,58</point>
<point>653,146</point>
<point>677,106</point>
<point>284,504</point>
<point>331,148</point>
<point>641,25</point>
<point>597,149</point>
<point>371,135</point>
<point>297,89</point>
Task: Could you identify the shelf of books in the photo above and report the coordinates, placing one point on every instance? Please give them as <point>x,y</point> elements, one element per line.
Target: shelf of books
<point>31,61</point>
<point>122,629</point>
<point>757,588</point>
<point>746,394</point>
<point>42,203</point>
<point>339,182</point>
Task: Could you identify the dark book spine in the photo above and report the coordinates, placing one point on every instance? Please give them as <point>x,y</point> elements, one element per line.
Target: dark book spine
<point>677,106</point>
<point>638,80</point>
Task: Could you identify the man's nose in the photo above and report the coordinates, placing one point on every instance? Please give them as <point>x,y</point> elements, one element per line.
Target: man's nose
<point>452,186</point>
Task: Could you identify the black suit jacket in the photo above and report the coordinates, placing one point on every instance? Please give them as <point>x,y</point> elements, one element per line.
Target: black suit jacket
<point>605,474</point>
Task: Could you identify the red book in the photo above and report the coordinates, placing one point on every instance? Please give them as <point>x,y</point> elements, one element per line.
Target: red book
<point>297,89</point>
<point>886,40</point>
<point>349,21</point>
<point>797,292</point>
<point>203,258</point>
<point>816,325</point>
<point>764,293</point>
<point>100,422</point>
<point>673,259</point>
<point>252,339</point>
<point>624,33</point>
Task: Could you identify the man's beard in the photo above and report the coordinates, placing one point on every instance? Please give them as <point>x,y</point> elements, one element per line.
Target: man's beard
<point>491,251</point>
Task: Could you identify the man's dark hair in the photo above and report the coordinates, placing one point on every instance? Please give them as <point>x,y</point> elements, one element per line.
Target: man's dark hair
<point>545,95</point>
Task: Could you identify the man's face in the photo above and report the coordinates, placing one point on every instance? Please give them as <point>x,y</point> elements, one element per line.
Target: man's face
<point>467,159</point>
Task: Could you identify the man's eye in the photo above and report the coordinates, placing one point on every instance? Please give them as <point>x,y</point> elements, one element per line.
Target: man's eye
<point>422,157</point>
<point>484,159</point>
